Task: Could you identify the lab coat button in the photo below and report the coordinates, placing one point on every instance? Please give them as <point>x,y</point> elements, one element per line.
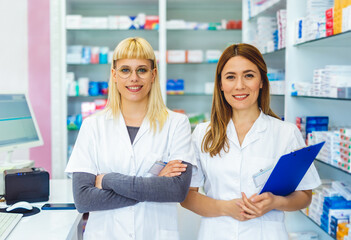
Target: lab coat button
<point>131,235</point>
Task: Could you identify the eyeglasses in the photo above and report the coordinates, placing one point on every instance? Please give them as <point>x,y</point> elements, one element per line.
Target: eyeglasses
<point>141,72</point>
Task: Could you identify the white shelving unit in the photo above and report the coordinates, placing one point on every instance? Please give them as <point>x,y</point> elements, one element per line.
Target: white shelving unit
<point>62,37</point>
<point>275,59</point>
<point>196,75</point>
<point>299,62</point>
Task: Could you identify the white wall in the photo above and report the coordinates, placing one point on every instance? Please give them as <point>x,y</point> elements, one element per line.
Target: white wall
<point>14,52</point>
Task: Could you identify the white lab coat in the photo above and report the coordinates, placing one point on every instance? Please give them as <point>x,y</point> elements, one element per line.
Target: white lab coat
<point>227,176</point>
<point>103,146</point>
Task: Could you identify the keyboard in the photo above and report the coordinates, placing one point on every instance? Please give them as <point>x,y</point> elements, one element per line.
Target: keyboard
<point>8,221</point>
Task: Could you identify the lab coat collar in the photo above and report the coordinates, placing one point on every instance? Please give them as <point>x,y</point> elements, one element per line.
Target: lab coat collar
<point>259,126</point>
<point>122,127</point>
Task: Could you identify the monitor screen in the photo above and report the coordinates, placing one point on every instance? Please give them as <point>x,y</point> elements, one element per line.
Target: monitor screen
<point>18,127</point>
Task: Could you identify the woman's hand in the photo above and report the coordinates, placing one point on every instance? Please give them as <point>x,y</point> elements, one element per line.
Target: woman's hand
<point>173,168</point>
<point>258,205</point>
<point>233,209</point>
<point>98,180</point>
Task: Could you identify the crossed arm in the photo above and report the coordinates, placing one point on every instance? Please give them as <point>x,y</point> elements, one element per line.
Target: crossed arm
<point>115,190</point>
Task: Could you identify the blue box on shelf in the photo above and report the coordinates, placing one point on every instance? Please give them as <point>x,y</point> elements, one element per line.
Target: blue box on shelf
<point>93,88</point>
<point>171,86</point>
<point>320,120</point>
<point>179,86</point>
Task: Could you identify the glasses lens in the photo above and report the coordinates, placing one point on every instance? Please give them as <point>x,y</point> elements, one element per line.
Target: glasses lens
<point>143,72</point>
<point>126,72</point>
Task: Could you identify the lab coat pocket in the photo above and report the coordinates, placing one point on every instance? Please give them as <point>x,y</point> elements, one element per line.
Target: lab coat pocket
<point>255,166</point>
<point>148,162</point>
<point>168,235</point>
<point>274,230</point>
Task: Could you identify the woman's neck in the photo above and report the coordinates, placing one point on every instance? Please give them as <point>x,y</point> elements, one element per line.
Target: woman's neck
<point>243,121</point>
<point>245,116</point>
<point>133,112</point>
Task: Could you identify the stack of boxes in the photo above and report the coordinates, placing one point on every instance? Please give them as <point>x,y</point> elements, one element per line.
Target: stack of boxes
<point>313,25</point>
<point>224,24</point>
<point>311,124</point>
<point>78,54</point>
<point>320,85</point>
<point>324,18</point>
<point>266,27</point>
<point>331,208</point>
<point>332,81</point>
<point>339,17</point>
<point>281,22</point>
<point>337,149</point>
<point>345,146</point>
<point>276,79</point>
<point>141,21</point>
<point>329,15</point>
<point>192,56</point>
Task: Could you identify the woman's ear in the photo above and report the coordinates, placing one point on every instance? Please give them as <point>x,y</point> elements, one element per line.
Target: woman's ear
<point>114,75</point>
<point>154,73</point>
<point>261,84</point>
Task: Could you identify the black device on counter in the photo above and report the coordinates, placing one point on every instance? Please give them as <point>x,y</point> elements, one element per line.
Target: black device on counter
<point>58,206</point>
<point>26,184</point>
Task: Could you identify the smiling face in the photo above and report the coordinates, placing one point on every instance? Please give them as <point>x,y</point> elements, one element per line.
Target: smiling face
<point>134,78</point>
<point>241,84</point>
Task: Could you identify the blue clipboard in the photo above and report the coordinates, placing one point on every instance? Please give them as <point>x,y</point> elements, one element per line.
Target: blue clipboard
<point>290,169</point>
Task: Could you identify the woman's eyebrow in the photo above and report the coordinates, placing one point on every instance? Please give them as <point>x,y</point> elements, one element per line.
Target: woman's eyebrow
<point>246,71</point>
<point>230,73</point>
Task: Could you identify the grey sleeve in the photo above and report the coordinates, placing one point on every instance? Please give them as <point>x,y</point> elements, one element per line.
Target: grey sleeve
<point>151,189</point>
<point>88,198</point>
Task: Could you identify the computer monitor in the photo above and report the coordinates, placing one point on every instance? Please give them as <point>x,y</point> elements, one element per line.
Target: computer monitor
<point>18,129</point>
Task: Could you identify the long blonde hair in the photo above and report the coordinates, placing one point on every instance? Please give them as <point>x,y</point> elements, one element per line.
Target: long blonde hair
<point>138,48</point>
<point>216,138</point>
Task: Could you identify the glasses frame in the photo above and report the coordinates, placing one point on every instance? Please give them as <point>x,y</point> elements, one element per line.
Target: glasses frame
<point>117,70</point>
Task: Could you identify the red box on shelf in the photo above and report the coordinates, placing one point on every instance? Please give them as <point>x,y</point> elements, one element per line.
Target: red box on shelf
<point>329,13</point>
<point>329,32</point>
<point>329,24</point>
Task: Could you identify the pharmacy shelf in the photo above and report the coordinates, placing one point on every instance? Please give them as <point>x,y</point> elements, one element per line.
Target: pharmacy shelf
<point>335,167</point>
<point>278,95</point>
<point>205,30</point>
<point>326,236</point>
<point>270,9</point>
<point>327,98</point>
<point>341,40</point>
<point>279,51</point>
<point>190,94</point>
<point>109,29</point>
<point>86,98</point>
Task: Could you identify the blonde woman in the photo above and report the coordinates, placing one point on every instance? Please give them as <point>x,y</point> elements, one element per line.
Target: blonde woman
<point>243,138</point>
<point>117,148</point>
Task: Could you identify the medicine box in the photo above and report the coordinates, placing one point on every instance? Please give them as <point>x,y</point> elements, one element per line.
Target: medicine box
<point>176,56</point>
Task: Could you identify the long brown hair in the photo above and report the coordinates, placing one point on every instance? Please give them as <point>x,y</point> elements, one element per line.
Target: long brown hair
<point>216,138</point>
